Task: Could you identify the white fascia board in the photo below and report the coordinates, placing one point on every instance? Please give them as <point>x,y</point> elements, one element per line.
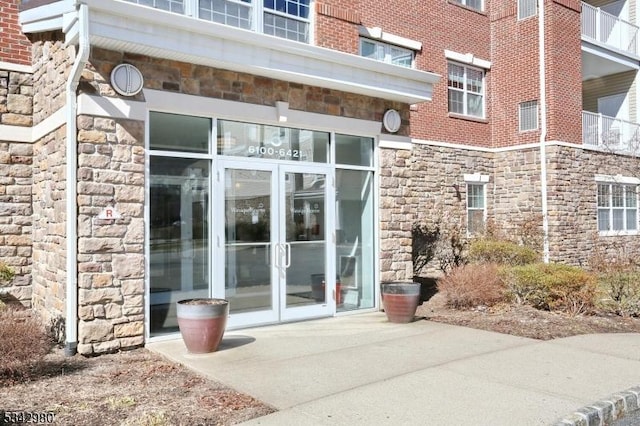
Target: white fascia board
<point>476,178</point>
<point>133,28</point>
<point>395,142</point>
<point>8,66</point>
<point>47,17</point>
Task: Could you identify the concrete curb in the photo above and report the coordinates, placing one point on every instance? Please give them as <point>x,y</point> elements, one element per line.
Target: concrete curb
<point>605,411</point>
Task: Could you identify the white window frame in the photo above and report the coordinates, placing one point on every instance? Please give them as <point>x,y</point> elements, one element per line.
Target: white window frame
<point>607,205</point>
<point>523,108</point>
<point>476,181</point>
<point>386,47</point>
<point>465,90</point>
<point>527,9</point>
<point>257,13</point>
<point>465,3</point>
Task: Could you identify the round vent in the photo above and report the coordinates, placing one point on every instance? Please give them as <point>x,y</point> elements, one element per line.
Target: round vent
<point>127,80</point>
<point>391,120</point>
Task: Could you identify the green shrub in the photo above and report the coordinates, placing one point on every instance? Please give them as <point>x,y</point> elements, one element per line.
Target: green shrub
<point>489,250</point>
<point>6,273</point>
<point>552,286</point>
<point>472,285</point>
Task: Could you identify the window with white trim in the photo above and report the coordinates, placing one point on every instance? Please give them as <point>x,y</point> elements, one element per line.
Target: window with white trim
<point>617,207</point>
<point>473,4</point>
<point>281,18</point>
<point>528,116</point>
<point>476,208</point>
<point>385,52</point>
<point>465,90</point>
<point>527,8</point>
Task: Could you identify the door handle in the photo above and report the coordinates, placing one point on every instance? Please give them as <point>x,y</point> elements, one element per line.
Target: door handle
<point>287,255</point>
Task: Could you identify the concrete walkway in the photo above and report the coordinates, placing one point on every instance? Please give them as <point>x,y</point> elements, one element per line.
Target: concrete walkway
<point>363,370</point>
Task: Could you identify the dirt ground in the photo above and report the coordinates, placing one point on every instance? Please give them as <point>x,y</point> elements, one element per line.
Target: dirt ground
<point>141,388</point>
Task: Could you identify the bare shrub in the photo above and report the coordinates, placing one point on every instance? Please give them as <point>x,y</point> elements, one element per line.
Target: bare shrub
<point>472,285</point>
<point>24,343</point>
<point>619,281</point>
<point>424,241</point>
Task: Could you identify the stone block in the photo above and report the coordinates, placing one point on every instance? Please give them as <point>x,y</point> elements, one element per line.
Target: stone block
<point>126,266</point>
<point>129,329</point>
<point>100,296</point>
<point>106,347</point>
<point>95,331</point>
<point>131,342</point>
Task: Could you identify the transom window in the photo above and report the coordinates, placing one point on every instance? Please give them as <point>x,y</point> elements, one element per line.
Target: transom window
<point>281,18</point>
<point>385,52</point>
<point>466,90</point>
<point>473,4</point>
<point>617,207</point>
<point>475,208</point>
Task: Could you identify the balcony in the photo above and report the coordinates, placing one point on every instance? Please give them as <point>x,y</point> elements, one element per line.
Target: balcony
<point>609,30</point>
<point>610,134</point>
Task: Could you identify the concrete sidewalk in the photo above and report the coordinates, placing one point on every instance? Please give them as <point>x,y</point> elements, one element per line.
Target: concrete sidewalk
<point>362,369</point>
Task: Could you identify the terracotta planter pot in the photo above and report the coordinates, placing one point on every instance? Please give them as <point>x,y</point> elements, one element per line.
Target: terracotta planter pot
<point>202,323</point>
<point>400,301</point>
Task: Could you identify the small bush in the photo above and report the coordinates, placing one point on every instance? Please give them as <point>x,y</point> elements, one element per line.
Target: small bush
<point>472,285</point>
<point>552,286</point>
<point>6,273</point>
<point>619,282</point>
<point>487,250</point>
<point>24,343</point>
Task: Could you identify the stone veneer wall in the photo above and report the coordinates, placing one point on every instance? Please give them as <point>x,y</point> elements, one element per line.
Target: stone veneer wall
<point>573,223</point>
<point>110,251</point>
<point>16,106</point>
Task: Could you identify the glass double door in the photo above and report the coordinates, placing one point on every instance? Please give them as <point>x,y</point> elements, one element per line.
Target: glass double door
<point>275,242</point>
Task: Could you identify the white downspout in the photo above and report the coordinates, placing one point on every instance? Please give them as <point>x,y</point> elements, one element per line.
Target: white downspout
<point>82,56</point>
<point>543,133</point>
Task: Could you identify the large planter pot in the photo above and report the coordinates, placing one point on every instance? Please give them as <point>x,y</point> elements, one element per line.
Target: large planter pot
<point>400,300</point>
<point>202,323</point>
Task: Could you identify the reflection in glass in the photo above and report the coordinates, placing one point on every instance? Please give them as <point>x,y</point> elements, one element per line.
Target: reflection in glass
<point>305,247</point>
<point>182,133</point>
<point>355,239</point>
<point>268,142</point>
<point>178,236</point>
<point>354,150</point>
<point>248,240</point>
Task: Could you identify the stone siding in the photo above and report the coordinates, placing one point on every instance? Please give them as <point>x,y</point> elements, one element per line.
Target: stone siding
<point>51,65</point>
<point>16,98</point>
<point>15,218</point>
<point>49,226</point>
<point>110,251</point>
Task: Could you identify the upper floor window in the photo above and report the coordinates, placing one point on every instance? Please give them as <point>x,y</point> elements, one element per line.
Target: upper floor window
<point>281,18</point>
<point>617,207</point>
<point>528,116</point>
<point>527,8</point>
<point>385,52</point>
<point>473,4</point>
<point>466,90</point>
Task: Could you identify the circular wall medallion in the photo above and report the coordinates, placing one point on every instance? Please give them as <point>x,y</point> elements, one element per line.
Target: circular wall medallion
<point>391,120</point>
<point>127,80</point>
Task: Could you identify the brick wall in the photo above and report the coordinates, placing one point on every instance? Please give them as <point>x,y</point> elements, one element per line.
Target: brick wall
<point>14,46</point>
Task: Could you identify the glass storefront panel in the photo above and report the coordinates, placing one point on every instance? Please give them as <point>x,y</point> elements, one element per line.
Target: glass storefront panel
<point>355,250</point>
<point>354,150</point>
<point>182,133</point>
<point>247,210</point>
<point>178,236</point>
<point>269,142</point>
<point>305,225</point>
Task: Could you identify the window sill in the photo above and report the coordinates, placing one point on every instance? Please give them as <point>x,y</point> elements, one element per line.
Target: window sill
<point>470,9</point>
<point>616,233</point>
<point>468,118</point>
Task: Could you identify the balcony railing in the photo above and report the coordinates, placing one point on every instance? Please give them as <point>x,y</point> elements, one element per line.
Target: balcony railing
<point>610,133</point>
<point>608,29</point>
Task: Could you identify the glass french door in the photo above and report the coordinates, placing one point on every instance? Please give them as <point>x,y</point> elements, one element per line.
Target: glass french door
<point>275,243</point>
